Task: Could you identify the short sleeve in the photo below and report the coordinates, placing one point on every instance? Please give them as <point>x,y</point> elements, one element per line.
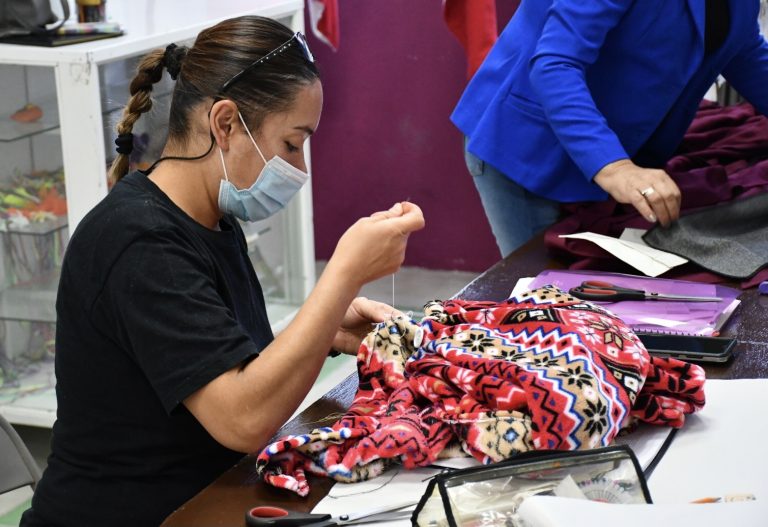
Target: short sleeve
<point>166,303</point>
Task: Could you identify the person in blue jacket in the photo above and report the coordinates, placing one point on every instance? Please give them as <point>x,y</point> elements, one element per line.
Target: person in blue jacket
<point>582,100</point>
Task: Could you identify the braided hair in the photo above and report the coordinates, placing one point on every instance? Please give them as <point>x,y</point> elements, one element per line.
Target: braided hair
<point>218,54</point>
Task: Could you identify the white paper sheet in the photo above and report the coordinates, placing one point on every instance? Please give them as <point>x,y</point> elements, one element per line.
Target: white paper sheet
<point>397,485</point>
<point>646,441</point>
<point>550,511</point>
<point>522,285</point>
<point>721,450</point>
<point>457,463</point>
<point>647,260</point>
<point>661,322</point>
<point>633,235</point>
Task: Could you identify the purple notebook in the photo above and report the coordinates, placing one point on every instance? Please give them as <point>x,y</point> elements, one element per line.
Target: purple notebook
<point>656,316</point>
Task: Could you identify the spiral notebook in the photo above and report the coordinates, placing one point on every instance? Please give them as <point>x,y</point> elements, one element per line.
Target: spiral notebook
<point>656,316</point>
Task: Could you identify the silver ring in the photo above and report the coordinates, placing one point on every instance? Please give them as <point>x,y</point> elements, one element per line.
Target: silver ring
<point>647,192</point>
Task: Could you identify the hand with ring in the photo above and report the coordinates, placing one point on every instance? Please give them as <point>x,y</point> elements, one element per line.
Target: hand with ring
<point>651,191</point>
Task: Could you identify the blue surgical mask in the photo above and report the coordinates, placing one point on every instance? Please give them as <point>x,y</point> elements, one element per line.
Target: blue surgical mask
<point>277,183</point>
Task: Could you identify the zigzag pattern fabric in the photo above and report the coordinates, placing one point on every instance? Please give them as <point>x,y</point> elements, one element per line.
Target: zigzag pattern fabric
<point>490,379</point>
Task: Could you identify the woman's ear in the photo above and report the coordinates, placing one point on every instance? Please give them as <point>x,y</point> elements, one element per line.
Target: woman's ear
<point>222,117</point>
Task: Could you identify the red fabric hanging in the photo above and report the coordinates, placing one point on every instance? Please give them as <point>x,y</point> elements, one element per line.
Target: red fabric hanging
<point>324,18</point>
<point>473,23</point>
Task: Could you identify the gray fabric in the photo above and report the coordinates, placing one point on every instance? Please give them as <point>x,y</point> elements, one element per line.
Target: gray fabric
<point>730,239</point>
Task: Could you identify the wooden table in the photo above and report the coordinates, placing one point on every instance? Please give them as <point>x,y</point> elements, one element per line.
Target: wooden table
<point>224,502</point>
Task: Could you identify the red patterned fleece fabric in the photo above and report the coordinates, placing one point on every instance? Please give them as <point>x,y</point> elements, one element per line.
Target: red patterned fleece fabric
<point>491,379</point>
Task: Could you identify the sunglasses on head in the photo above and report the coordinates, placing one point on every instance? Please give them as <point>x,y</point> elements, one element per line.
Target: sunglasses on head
<point>297,38</point>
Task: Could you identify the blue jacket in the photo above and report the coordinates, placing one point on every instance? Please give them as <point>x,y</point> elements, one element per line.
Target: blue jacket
<point>572,85</point>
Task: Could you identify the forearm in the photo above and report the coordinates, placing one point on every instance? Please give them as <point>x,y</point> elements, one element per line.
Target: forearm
<point>571,40</point>
<point>251,404</point>
<point>289,366</point>
<point>574,117</point>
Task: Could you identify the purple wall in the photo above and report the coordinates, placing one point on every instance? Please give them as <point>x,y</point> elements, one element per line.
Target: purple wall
<point>385,133</point>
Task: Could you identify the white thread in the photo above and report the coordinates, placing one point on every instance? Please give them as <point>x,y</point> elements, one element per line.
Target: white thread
<point>395,473</point>
<point>393,290</point>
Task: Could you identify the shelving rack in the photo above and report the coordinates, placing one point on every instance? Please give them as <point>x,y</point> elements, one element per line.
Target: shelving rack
<point>77,114</point>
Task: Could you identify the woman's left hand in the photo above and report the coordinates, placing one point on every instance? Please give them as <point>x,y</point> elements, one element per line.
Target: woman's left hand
<point>357,323</point>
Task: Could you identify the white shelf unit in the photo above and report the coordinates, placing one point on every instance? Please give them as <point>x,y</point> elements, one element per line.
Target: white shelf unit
<point>75,115</point>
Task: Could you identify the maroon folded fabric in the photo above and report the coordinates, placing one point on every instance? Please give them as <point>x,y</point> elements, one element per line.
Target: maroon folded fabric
<point>724,156</point>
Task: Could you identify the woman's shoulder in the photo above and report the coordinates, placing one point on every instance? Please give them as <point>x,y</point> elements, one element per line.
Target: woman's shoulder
<point>130,208</point>
<point>130,213</point>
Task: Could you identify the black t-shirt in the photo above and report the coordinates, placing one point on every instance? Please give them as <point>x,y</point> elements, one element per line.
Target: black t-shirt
<point>151,307</point>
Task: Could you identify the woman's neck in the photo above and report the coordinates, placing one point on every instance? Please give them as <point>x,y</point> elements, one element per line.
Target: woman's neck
<point>189,185</point>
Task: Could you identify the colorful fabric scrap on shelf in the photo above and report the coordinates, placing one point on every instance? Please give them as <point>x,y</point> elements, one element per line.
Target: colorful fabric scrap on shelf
<point>540,371</point>
<point>38,196</point>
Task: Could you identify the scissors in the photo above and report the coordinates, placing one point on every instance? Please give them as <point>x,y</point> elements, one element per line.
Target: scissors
<point>608,292</point>
<point>278,516</point>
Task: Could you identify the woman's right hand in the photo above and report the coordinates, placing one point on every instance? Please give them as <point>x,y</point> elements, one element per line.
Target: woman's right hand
<point>651,191</point>
<point>375,246</point>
